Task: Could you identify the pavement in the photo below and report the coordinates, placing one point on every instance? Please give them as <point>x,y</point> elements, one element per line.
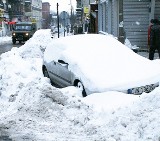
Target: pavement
<point>146,54</point>
<point>4,135</point>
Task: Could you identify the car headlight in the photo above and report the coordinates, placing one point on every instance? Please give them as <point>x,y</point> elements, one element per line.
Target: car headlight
<point>14,34</point>
<point>27,34</point>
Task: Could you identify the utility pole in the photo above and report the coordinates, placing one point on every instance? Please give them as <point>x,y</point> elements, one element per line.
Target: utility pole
<point>121,35</point>
<point>71,19</point>
<point>58,20</point>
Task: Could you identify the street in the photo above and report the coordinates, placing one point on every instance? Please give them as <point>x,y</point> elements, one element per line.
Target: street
<point>4,136</point>
<point>8,47</point>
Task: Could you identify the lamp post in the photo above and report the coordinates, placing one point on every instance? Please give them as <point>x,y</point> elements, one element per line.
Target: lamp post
<point>71,19</point>
<point>58,20</point>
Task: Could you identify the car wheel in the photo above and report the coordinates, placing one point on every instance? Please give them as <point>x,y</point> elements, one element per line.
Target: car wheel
<point>45,72</point>
<point>81,87</point>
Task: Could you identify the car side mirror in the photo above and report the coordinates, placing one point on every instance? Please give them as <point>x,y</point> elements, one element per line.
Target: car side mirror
<point>62,62</point>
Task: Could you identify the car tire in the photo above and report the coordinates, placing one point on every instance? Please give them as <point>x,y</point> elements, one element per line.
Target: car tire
<point>81,87</point>
<point>45,72</point>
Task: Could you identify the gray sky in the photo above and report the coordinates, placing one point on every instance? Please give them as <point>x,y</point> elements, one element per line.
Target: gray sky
<point>64,5</point>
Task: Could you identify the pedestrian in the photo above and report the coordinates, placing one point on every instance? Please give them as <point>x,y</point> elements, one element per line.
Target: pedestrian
<point>149,31</point>
<point>154,39</point>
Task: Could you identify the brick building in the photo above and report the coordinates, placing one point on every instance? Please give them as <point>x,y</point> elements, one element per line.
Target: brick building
<point>46,15</point>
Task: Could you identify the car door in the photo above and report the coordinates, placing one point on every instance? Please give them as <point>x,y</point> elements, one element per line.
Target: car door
<point>52,70</point>
<point>63,74</point>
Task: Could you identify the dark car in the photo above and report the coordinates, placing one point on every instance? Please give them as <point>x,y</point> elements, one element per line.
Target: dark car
<point>23,31</point>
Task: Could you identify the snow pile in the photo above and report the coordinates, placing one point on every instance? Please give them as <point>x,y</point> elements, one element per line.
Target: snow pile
<point>32,109</point>
<point>28,102</point>
<point>129,45</point>
<point>137,122</point>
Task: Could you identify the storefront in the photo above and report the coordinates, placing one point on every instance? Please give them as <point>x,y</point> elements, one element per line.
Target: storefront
<point>1,22</point>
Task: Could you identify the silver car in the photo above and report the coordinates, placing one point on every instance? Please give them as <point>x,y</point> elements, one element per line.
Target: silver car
<point>60,76</point>
<point>98,63</point>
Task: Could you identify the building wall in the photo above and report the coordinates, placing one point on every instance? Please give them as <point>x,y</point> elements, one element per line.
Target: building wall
<point>46,15</point>
<point>37,12</point>
<point>157,10</point>
<point>19,10</point>
<point>135,22</point>
<point>102,16</point>
<point>109,20</point>
<point>4,17</point>
<point>16,11</point>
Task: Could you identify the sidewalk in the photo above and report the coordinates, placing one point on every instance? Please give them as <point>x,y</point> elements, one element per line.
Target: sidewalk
<point>2,33</point>
<point>5,39</point>
<point>146,54</point>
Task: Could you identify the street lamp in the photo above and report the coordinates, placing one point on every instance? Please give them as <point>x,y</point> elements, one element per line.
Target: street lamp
<point>71,19</point>
<point>58,19</point>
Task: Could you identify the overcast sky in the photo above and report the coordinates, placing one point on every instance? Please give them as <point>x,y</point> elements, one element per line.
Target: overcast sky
<point>64,5</point>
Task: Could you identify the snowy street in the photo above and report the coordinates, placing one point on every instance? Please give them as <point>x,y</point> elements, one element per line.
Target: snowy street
<point>31,109</point>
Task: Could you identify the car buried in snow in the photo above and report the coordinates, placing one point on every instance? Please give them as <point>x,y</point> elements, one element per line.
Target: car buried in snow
<point>98,63</point>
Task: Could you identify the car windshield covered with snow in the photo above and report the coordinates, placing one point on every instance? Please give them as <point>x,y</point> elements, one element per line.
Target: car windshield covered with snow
<point>98,63</point>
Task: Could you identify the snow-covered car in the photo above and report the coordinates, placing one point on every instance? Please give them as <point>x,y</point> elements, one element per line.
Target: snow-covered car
<point>98,63</point>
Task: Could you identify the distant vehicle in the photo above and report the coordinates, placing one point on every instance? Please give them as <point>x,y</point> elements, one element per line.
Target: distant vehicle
<point>54,29</point>
<point>22,31</point>
<point>98,63</point>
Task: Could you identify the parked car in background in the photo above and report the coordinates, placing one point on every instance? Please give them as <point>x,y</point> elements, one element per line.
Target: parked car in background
<point>98,63</point>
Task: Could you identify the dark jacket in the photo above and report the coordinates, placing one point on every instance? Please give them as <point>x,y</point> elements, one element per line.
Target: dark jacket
<point>155,35</point>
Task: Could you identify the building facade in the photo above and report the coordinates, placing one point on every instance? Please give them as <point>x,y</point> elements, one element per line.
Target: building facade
<point>4,16</point>
<point>128,19</point>
<point>12,11</point>
<point>16,11</point>
<point>46,15</point>
<point>87,15</point>
<point>33,12</point>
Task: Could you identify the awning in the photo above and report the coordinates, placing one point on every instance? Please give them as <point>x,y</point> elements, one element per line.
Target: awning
<point>11,22</point>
